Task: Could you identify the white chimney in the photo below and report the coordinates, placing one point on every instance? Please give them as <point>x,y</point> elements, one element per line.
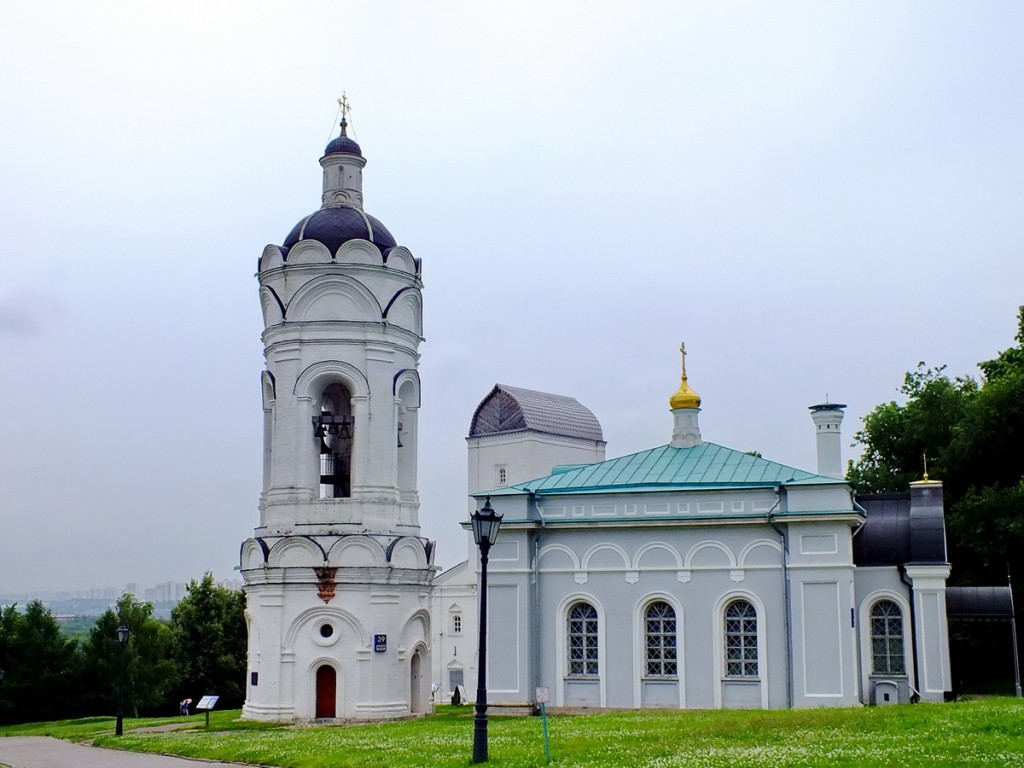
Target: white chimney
<point>827,419</point>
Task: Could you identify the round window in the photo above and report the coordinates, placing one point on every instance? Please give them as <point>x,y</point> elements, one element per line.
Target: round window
<point>326,630</point>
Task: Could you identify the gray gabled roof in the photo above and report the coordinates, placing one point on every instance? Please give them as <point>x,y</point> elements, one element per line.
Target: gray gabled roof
<point>514,409</point>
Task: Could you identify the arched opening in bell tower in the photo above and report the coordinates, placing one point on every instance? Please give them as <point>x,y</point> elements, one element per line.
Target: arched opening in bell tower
<point>334,428</point>
<point>407,413</point>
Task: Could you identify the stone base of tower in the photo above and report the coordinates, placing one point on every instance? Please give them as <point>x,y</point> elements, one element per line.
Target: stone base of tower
<point>329,641</point>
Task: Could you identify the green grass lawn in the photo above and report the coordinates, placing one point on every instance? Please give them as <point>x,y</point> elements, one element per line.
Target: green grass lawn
<point>985,732</point>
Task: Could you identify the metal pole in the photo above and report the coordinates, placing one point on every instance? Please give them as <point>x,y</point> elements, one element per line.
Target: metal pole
<point>480,721</point>
<point>119,730</point>
<point>1013,634</point>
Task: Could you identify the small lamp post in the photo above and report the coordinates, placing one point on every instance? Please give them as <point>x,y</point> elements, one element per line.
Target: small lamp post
<point>486,523</point>
<point>122,639</point>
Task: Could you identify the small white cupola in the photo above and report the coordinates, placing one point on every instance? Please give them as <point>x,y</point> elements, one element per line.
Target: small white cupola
<point>828,417</point>
<point>685,405</point>
<point>343,163</point>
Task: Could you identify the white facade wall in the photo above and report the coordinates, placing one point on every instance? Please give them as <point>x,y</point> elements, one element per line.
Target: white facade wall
<point>524,456</point>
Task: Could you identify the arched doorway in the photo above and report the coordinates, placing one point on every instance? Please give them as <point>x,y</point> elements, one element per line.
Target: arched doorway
<point>326,691</point>
<point>416,683</point>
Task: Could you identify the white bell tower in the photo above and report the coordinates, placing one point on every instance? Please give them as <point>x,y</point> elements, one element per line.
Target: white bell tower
<point>337,575</point>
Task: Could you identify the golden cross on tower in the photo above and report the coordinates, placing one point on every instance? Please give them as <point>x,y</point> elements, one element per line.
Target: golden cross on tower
<point>343,105</point>
<point>682,351</point>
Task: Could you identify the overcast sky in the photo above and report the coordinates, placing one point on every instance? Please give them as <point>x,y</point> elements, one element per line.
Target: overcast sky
<point>815,196</point>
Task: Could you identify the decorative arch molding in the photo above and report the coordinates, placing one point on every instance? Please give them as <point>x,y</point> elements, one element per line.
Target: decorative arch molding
<point>864,636</point>
<point>359,251</point>
<point>273,307</point>
<point>709,544</point>
<point>416,632</point>
<point>657,546</point>
<point>272,258</point>
<point>756,544</point>
<point>312,381</point>
<point>407,552</point>
<point>308,252</point>
<point>360,301</point>
<point>357,552</point>
<point>402,378</point>
<point>605,546</point>
<point>253,555</point>
<point>405,309</point>
<point>299,550</point>
<point>325,612</point>
<point>269,386</point>
<point>401,258</point>
<point>640,644</point>
<point>561,548</point>
<point>718,624</point>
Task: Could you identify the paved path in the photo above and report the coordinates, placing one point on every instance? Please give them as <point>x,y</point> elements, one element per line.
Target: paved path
<point>44,752</point>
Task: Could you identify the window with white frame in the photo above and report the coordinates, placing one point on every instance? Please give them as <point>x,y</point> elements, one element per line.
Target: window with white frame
<point>660,632</point>
<point>582,631</point>
<point>456,623</point>
<point>502,474</point>
<point>740,639</point>
<point>887,639</point>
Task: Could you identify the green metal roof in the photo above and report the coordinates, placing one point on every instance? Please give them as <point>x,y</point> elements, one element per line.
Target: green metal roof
<point>701,467</point>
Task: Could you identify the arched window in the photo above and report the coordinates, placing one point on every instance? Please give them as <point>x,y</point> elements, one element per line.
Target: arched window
<point>887,638</point>
<point>583,639</point>
<point>333,428</point>
<point>660,631</point>
<point>740,639</point>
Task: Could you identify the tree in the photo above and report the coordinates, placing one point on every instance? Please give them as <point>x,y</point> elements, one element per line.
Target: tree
<point>971,435</point>
<point>897,438</point>
<point>210,642</point>
<point>150,673</point>
<point>41,666</point>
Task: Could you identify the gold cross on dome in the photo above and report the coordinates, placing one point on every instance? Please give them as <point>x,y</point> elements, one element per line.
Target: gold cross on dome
<point>343,105</point>
<point>682,350</point>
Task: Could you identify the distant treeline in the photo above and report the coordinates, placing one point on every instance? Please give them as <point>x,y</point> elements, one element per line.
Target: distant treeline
<point>55,670</point>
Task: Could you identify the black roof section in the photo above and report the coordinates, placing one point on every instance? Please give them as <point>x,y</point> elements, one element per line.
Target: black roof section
<point>979,603</point>
<point>897,532</point>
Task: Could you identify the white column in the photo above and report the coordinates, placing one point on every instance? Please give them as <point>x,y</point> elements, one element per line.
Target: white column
<point>931,630</point>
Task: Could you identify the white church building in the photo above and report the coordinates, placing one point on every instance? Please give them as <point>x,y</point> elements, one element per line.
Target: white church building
<point>687,575</point>
<point>691,574</point>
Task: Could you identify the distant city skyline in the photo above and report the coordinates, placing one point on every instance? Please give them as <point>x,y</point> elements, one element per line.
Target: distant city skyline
<point>162,592</point>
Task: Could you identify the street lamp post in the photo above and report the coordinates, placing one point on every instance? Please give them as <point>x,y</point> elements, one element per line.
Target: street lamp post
<point>486,523</point>
<point>122,640</point>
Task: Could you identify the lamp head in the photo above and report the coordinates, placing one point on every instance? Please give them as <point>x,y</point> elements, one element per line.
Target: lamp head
<point>486,523</point>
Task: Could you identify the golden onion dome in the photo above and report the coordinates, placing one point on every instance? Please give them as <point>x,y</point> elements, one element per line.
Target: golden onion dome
<point>684,396</point>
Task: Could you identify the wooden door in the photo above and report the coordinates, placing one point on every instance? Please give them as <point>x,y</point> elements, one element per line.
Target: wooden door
<point>326,691</point>
<point>416,683</point>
